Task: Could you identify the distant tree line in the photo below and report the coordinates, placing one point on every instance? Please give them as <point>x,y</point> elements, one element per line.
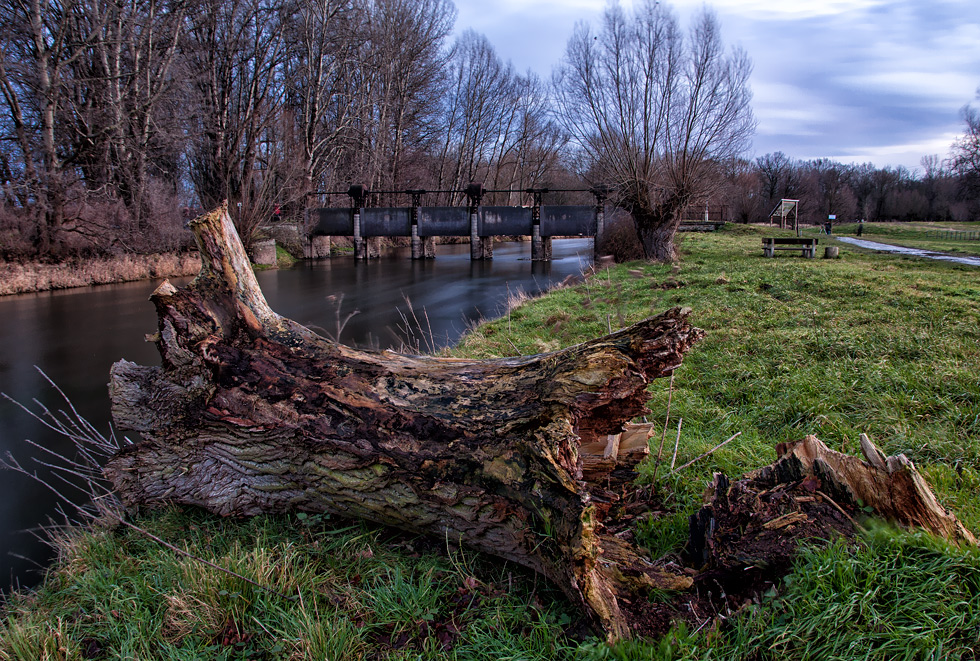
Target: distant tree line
<point>940,191</point>
<point>118,118</point>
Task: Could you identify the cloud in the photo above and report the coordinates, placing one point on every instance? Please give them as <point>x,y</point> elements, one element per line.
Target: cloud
<point>874,79</point>
<point>908,154</point>
<point>784,9</point>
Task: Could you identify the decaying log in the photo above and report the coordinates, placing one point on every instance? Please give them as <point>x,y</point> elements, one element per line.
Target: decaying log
<point>523,458</point>
<point>530,459</point>
<point>810,493</point>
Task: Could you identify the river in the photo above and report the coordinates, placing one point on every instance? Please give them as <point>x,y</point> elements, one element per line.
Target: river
<point>75,335</point>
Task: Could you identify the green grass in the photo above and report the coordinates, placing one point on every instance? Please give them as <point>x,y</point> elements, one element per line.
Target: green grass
<point>336,590</point>
<point>895,596</point>
<point>866,343</point>
<point>283,257</point>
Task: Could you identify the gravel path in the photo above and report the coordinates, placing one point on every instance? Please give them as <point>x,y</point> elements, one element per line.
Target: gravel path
<point>912,252</point>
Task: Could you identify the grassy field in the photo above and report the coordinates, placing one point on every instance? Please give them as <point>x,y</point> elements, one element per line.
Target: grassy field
<point>866,343</point>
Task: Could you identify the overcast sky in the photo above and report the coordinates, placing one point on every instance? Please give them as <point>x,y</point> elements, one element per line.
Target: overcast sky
<point>852,80</point>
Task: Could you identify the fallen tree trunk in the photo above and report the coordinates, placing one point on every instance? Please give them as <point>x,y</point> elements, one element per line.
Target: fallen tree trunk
<point>530,459</point>
<point>252,413</point>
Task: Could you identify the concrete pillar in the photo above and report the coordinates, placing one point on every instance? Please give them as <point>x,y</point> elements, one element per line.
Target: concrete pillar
<point>540,246</point>
<point>264,252</point>
<point>601,192</point>
<point>474,193</point>
<point>372,247</point>
<point>537,244</point>
<point>418,251</point>
<point>487,246</point>
<point>476,246</point>
<point>429,247</point>
<point>358,195</point>
<point>600,228</point>
<point>318,247</point>
<point>416,243</point>
<point>360,249</point>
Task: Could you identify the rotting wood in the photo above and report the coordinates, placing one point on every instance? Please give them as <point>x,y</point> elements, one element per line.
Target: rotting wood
<point>819,491</point>
<point>252,413</point>
<point>890,486</point>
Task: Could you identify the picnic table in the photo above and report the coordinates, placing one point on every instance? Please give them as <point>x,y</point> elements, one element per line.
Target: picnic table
<point>807,246</point>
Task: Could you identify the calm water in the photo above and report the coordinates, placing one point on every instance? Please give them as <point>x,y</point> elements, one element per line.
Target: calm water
<point>76,335</point>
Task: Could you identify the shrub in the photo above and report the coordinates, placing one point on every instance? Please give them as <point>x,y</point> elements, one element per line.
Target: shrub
<point>619,238</point>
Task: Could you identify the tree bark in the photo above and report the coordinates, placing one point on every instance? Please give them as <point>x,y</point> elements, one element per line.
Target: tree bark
<point>657,237</point>
<point>524,458</point>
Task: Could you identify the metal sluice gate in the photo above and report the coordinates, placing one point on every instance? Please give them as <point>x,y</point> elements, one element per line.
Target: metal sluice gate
<point>479,223</point>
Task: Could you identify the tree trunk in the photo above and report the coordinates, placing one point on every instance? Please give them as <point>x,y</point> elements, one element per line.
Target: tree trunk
<point>656,228</point>
<point>524,458</point>
<point>658,241</point>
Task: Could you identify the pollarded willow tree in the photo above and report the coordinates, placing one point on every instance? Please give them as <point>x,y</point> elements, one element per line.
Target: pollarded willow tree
<point>654,110</point>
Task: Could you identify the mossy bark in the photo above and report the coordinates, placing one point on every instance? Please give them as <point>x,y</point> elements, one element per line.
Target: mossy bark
<point>252,413</point>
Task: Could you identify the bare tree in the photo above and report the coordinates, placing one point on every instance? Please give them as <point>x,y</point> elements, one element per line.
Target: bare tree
<point>121,86</point>
<point>832,181</point>
<point>741,193</point>
<point>475,111</point>
<point>655,111</point>
<point>321,93</point>
<point>938,187</point>
<point>40,41</point>
<point>402,65</point>
<point>966,153</point>
<point>774,173</point>
<point>234,51</point>
<point>529,147</point>
<point>497,126</point>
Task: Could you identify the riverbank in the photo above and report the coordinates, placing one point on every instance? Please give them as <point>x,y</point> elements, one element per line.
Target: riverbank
<point>864,343</point>
<point>29,277</point>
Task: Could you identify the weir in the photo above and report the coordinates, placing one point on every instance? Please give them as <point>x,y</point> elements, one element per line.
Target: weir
<point>478,222</point>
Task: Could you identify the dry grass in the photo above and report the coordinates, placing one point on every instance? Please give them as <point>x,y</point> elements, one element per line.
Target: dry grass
<point>22,278</point>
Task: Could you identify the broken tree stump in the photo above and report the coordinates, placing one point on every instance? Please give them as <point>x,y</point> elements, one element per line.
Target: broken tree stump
<point>810,493</point>
<point>253,413</point>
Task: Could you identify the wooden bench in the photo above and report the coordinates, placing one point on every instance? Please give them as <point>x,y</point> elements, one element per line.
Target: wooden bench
<point>770,245</point>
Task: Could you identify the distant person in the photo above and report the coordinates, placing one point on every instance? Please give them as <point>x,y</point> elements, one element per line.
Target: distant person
<point>828,226</point>
<point>861,227</point>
